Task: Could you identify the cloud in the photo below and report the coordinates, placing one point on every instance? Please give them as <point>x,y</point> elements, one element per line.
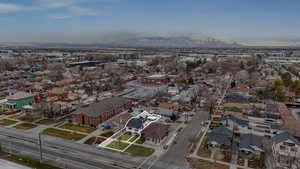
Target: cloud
<point>56,3</point>
<point>7,7</point>
<point>75,11</point>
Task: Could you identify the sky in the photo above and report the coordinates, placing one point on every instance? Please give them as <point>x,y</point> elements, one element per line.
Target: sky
<point>69,20</point>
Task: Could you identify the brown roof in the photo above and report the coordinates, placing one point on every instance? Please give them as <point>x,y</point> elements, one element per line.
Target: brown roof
<point>169,106</point>
<point>155,130</point>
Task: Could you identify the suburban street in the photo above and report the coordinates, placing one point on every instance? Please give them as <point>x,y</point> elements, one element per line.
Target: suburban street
<point>174,158</point>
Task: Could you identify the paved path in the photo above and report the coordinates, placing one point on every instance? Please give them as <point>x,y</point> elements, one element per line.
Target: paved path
<point>201,140</point>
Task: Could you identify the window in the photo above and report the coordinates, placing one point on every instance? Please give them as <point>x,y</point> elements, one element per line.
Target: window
<point>282,147</point>
<point>293,149</point>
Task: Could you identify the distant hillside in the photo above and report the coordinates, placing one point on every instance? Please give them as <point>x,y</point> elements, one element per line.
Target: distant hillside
<point>137,40</point>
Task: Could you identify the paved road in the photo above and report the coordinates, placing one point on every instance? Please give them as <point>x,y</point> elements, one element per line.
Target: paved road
<point>9,165</point>
<point>174,158</point>
<point>67,151</point>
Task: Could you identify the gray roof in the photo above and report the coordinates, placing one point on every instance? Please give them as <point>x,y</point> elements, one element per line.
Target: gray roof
<point>221,135</point>
<point>219,138</point>
<point>283,137</point>
<point>106,105</point>
<point>248,140</point>
<point>136,123</point>
<point>235,120</point>
<point>222,130</point>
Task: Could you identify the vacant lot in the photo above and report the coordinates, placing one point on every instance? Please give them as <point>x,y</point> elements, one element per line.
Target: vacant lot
<point>74,127</point>
<point>63,134</point>
<point>201,164</point>
<point>117,145</point>
<point>140,151</point>
<point>25,126</point>
<point>7,122</point>
<point>107,134</point>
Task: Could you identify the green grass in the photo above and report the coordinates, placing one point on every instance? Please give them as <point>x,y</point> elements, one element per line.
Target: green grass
<point>107,134</point>
<point>140,151</point>
<point>63,134</point>
<point>125,137</point>
<point>74,127</point>
<point>26,161</point>
<point>133,139</point>
<point>7,122</point>
<point>117,145</point>
<point>45,121</point>
<point>25,126</point>
<point>140,141</point>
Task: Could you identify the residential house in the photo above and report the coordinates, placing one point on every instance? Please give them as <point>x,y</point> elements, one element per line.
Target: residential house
<point>235,124</point>
<point>19,100</point>
<point>251,144</point>
<point>155,132</point>
<point>220,137</point>
<point>286,150</point>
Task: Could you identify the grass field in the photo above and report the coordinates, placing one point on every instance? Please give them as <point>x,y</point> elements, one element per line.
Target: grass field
<point>133,139</point>
<point>140,151</point>
<point>63,134</point>
<point>7,122</point>
<point>125,137</point>
<point>117,145</point>
<point>140,141</point>
<point>74,127</point>
<point>26,161</point>
<point>25,126</point>
<point>45,121</point>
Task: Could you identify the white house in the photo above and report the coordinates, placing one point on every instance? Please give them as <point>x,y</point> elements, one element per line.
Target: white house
<point>286,151</point>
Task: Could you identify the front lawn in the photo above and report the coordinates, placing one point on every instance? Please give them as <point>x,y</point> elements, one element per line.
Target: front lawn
<point>63,134</point>
<point>140,141</point>
<point>140,151</point>
<point>25,126</point>
<point>7,122</point>
<point>133,139</point>
<point>117,145</point>
<point>125,137</point>
<point>74,127</point>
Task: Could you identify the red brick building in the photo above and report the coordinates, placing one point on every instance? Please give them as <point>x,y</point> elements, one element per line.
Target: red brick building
<point>154,80</point>
<point>96,113</point>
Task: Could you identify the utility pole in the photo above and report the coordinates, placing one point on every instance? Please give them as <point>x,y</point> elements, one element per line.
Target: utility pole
<point>41,150</point>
